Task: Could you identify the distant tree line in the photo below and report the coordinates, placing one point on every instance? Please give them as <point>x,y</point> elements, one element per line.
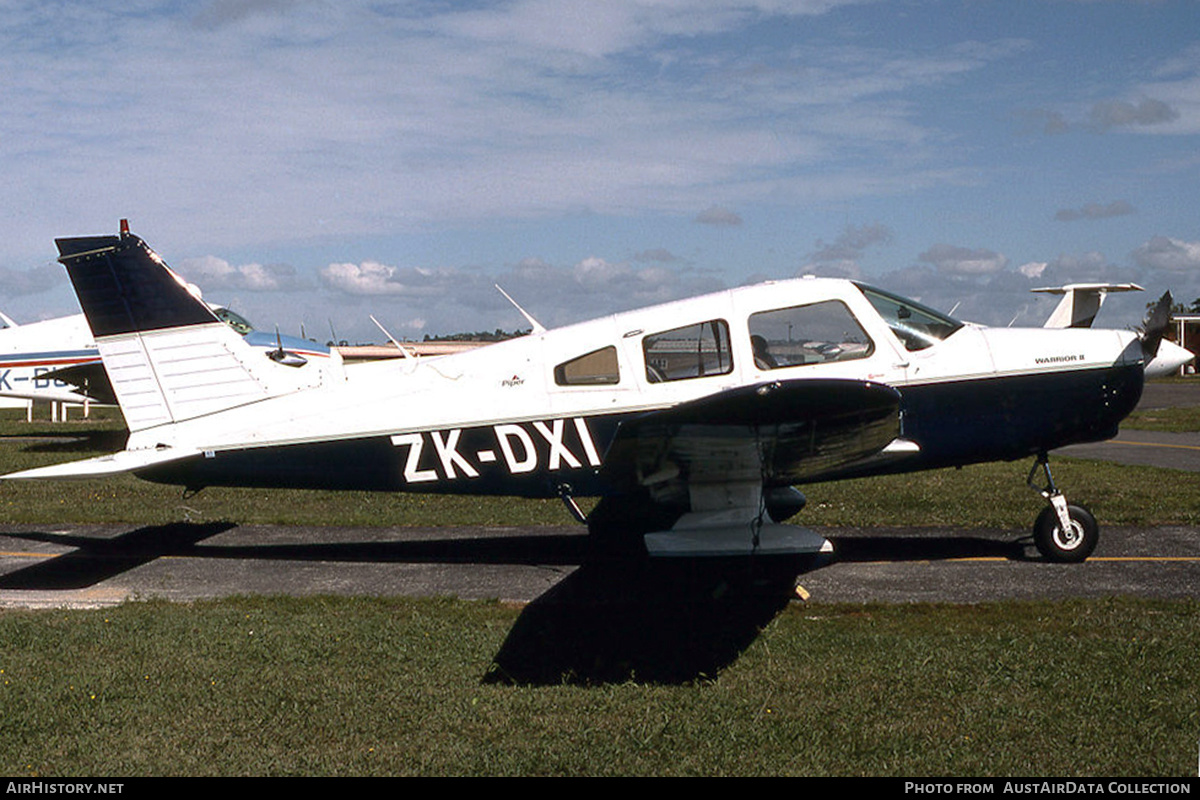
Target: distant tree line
<point>1180,308</point>
<point>497,335</point>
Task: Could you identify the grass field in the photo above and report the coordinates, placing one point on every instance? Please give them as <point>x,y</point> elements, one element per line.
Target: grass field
<point>1176,420</point>
<point>334,686</point>
<point>396,686</point>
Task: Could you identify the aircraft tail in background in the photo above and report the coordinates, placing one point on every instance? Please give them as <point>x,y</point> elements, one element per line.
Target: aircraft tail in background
<point>1081,302</point>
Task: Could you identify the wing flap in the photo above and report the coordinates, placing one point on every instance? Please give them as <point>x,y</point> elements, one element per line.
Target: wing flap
<point>712,540</point>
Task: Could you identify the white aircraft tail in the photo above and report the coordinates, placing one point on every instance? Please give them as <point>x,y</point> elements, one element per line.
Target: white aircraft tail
<point>168,357</point>
<point>1081,302</point>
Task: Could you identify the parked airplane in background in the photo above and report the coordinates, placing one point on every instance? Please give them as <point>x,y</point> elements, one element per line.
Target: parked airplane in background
<point>692,421</point>
<point>30,353</point>
<point>1078,308</point>
<point>57,360</point>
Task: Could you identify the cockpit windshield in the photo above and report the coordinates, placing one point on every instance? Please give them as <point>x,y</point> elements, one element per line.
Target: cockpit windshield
<point>915,325</point>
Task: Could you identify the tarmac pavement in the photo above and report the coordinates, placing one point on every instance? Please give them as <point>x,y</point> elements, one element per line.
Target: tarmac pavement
<point>97,565</point>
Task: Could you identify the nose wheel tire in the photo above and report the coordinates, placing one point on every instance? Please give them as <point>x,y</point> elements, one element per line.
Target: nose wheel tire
<point>1071,546</point>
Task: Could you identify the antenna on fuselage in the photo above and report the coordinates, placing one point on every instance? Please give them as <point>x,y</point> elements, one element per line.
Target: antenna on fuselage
<point>392,339</point>
<point>537,326</point>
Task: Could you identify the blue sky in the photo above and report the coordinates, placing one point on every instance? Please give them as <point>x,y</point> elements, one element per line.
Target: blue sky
<point>309,161</point>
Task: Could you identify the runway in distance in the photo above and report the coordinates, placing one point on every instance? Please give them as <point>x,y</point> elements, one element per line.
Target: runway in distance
<point>692,421</point>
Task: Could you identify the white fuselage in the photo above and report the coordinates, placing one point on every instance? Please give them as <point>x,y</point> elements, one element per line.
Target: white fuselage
<point>550,402</point>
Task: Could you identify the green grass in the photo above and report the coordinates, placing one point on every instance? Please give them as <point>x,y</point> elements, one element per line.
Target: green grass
<point>329,686</point>
<point>1175,420</point>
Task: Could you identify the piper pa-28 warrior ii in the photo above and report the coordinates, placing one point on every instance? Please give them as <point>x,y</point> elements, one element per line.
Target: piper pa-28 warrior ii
<point>692,421</point>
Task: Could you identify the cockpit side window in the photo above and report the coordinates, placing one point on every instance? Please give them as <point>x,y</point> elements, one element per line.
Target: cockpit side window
<point>693,351</point>
<point>234,320</point>
<point>819,333</point>
<point>597,368</point>
<point>916,326</point>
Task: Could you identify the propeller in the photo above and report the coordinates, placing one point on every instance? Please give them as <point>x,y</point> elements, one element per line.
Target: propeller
<point>1152,330</point>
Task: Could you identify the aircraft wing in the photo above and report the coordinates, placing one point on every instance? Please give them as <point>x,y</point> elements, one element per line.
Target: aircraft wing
<point>710,469</point>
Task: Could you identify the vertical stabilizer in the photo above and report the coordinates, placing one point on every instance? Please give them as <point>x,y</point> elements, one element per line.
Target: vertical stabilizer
<point>167,355</point>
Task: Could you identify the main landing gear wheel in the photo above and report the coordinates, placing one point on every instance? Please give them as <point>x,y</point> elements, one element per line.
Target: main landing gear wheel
<point>1072,545</point>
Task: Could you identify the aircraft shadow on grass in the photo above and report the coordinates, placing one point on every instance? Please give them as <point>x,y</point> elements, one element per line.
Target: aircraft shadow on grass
<point>613,619</point>
<point>678,620</point>
<point>96,441</point>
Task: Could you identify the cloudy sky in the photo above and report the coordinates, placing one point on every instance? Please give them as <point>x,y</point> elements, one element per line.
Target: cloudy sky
<point>313,162</point>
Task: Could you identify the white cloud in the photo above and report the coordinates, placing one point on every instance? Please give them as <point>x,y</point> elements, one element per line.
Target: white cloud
<point>1033,269</point>
<point>374,278</point>
<point>279,120</point>
<point>1125,114</point>
<point>719,217</point>
<point>852,242</point>
<point>210,272</point>
<point>658,254</point>
<point>456,300</point>
<point>1169,254</point>
<point>962,261</point>
<point>1092,211</point>
<point>17,283</point>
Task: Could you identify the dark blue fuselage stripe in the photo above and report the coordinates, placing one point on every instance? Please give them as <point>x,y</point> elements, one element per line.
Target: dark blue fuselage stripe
<point>955,423</point>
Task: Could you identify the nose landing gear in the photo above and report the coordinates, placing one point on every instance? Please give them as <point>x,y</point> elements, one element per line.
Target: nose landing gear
<point>1064,532</point>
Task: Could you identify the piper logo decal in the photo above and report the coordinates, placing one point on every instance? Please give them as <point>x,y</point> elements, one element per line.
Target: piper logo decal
<point>519,448</point>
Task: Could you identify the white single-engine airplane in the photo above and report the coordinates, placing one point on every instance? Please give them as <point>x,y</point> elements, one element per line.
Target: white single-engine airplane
<point>692,421</point>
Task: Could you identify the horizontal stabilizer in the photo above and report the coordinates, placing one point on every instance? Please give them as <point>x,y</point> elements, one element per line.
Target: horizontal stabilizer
<point>1081,302</point>
<point>112,464</point>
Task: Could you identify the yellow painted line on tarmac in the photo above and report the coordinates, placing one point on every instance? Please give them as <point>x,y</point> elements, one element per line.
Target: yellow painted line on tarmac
<point>1157,444</point>
<point>1143,558</point>
<point>18,554</point>
<point>1090,558</point>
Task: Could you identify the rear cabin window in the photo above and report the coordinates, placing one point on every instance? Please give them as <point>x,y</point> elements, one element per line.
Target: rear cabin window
<point>819,333</point>
<point>597,368</point>
<point>694,351</point>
